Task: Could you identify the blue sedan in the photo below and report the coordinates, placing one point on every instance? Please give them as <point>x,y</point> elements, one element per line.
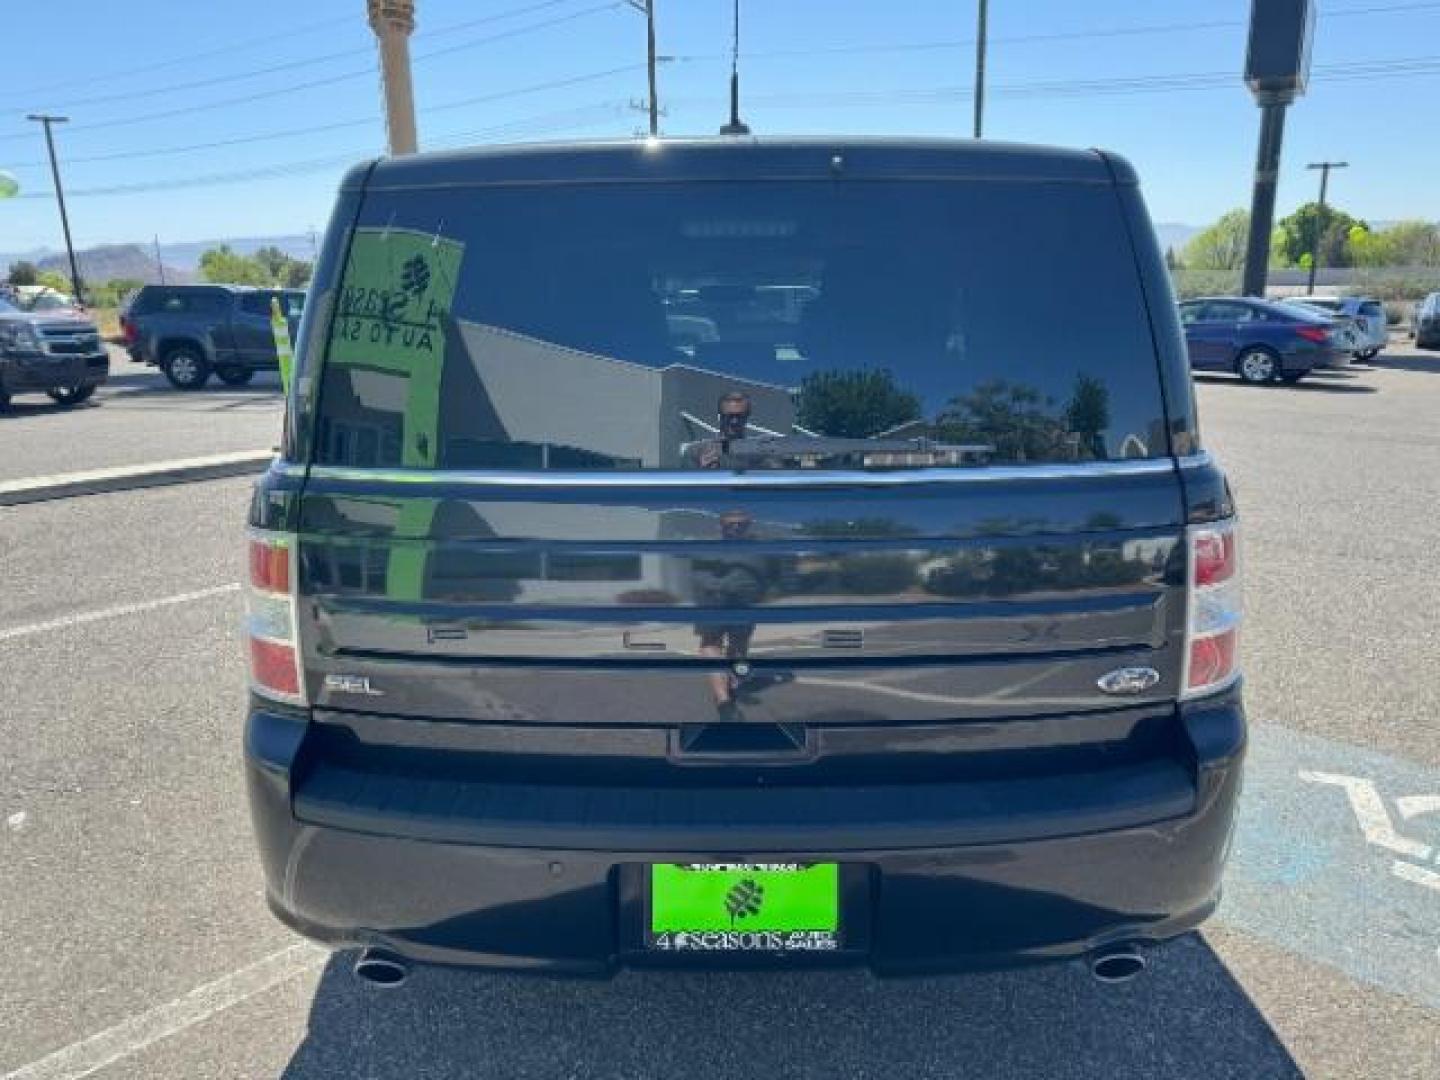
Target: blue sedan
<point>1257,340</point>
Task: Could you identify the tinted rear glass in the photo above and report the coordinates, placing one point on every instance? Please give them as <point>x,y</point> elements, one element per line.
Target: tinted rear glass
<point>765,325</point>
<point>178,301</point>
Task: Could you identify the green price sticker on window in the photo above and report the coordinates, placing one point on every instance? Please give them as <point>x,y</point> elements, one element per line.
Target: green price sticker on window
<point>393,317</point>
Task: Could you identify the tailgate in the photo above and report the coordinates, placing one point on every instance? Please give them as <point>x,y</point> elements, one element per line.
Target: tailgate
<point>985,593</point>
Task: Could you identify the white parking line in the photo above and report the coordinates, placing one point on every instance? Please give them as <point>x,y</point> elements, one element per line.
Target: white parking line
<point>133,1035</point>
<point>115,612</point>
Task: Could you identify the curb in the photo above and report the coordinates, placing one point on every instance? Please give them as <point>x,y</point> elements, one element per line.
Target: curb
<point>132,477</point>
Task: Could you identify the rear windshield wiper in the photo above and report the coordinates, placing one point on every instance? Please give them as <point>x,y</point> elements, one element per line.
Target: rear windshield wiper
<point>825,446</point>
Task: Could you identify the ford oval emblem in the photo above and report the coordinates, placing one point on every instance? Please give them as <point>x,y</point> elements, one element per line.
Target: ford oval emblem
<point>1128,680</point>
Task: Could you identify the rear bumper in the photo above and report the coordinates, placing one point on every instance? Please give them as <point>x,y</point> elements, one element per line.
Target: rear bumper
<point>556,901</point>
<point>39,372</point>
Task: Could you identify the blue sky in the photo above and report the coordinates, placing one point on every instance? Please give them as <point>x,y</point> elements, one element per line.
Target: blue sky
<point>1059,73</point>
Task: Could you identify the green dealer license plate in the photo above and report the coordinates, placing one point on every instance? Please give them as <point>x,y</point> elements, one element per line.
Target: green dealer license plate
<point>744,907</point>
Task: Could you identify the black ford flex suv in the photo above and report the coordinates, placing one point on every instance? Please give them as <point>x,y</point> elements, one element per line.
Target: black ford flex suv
<point>700,553</point>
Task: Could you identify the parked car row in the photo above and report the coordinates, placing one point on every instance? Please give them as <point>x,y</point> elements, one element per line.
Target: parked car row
<point>1262,341</point>
<point>1362,320</point>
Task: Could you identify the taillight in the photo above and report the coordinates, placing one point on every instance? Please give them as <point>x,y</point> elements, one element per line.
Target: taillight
<point>1213,628</point>
<point>127,330</point>
<point>275,670</point>
<point>1317,334</point>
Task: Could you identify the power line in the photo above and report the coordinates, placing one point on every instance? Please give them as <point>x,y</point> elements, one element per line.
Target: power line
<point>290,65</point>
<point>1058,36</point>
<point>228,49</point>
<point>1160,28</point>
<point>366,72</point>
<point>1417,65</point>
<point>563,120</point>
<point>1208,80</point>
<point>1394,68</point>
<point>365,121</point>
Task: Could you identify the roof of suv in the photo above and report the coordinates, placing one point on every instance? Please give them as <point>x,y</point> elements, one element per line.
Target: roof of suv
<point>720,159</point>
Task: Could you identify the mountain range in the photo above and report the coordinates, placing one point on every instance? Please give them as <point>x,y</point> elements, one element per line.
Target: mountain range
<point>181,260</point>
<point>108,262</point>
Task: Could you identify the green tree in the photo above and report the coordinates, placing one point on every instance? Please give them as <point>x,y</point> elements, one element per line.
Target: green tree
<point>1370,248</point>
<point>224,266</point>
<point>1221,246</point>
<point>1278,259</point>
<point>1016,420</point>
<point>1309,227</point>
<point>51,279</point>
<point>112,293</point>
<point>296,274</point>
<point>23,273</point>
<point>273,260</point>
<point>854,404</point>
<point>1088,414</point>
<point>1411,243</point>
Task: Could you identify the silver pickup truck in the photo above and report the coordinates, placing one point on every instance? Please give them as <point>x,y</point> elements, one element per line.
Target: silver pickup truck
<point>52,352</point>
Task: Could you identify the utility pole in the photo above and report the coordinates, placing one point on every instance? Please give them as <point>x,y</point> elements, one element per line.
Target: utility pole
<point>47,120</point>
<point>647,8</point>
<point>1324,167</point>
<point>393,21</point>
<point>159,264</point>
<point>735,126</point>
<point>980,33</point>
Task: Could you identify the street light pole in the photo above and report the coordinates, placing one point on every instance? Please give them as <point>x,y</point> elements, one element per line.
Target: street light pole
<point>980,33</point>
<point>1324,167</point>
<point>47,120</point>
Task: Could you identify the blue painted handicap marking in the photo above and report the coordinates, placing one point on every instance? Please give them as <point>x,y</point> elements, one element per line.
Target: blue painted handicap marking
<point>1337,857</point>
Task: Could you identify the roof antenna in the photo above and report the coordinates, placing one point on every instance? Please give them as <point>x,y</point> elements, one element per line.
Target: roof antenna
<point>736,126</point>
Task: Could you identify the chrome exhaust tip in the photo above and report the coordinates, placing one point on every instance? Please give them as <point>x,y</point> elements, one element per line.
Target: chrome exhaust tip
<point>1116,964</point>
<point>380,967</point>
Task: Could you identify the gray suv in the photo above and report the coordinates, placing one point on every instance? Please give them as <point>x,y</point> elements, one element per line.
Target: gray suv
<point>54,353</point>
<point>193,331</point>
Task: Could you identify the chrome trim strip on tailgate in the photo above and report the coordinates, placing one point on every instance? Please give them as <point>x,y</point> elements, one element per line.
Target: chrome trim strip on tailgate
<point>809,478</point>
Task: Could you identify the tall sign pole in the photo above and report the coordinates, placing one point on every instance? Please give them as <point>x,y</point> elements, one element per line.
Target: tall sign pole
<point>47,120</point>
<point>393,21</point>
<point>1277,70</point>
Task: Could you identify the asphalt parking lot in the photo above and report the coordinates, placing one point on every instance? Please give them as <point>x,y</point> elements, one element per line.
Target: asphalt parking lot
<point>137,417</point>
<point>138,944</point>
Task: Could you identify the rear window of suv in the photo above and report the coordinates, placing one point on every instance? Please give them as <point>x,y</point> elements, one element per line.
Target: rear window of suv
<point>178,301</point>
<point>765,325</point>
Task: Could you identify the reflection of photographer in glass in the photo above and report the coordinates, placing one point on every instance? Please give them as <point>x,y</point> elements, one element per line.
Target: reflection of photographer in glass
<point>733,421</point>
<point>728,581</point>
